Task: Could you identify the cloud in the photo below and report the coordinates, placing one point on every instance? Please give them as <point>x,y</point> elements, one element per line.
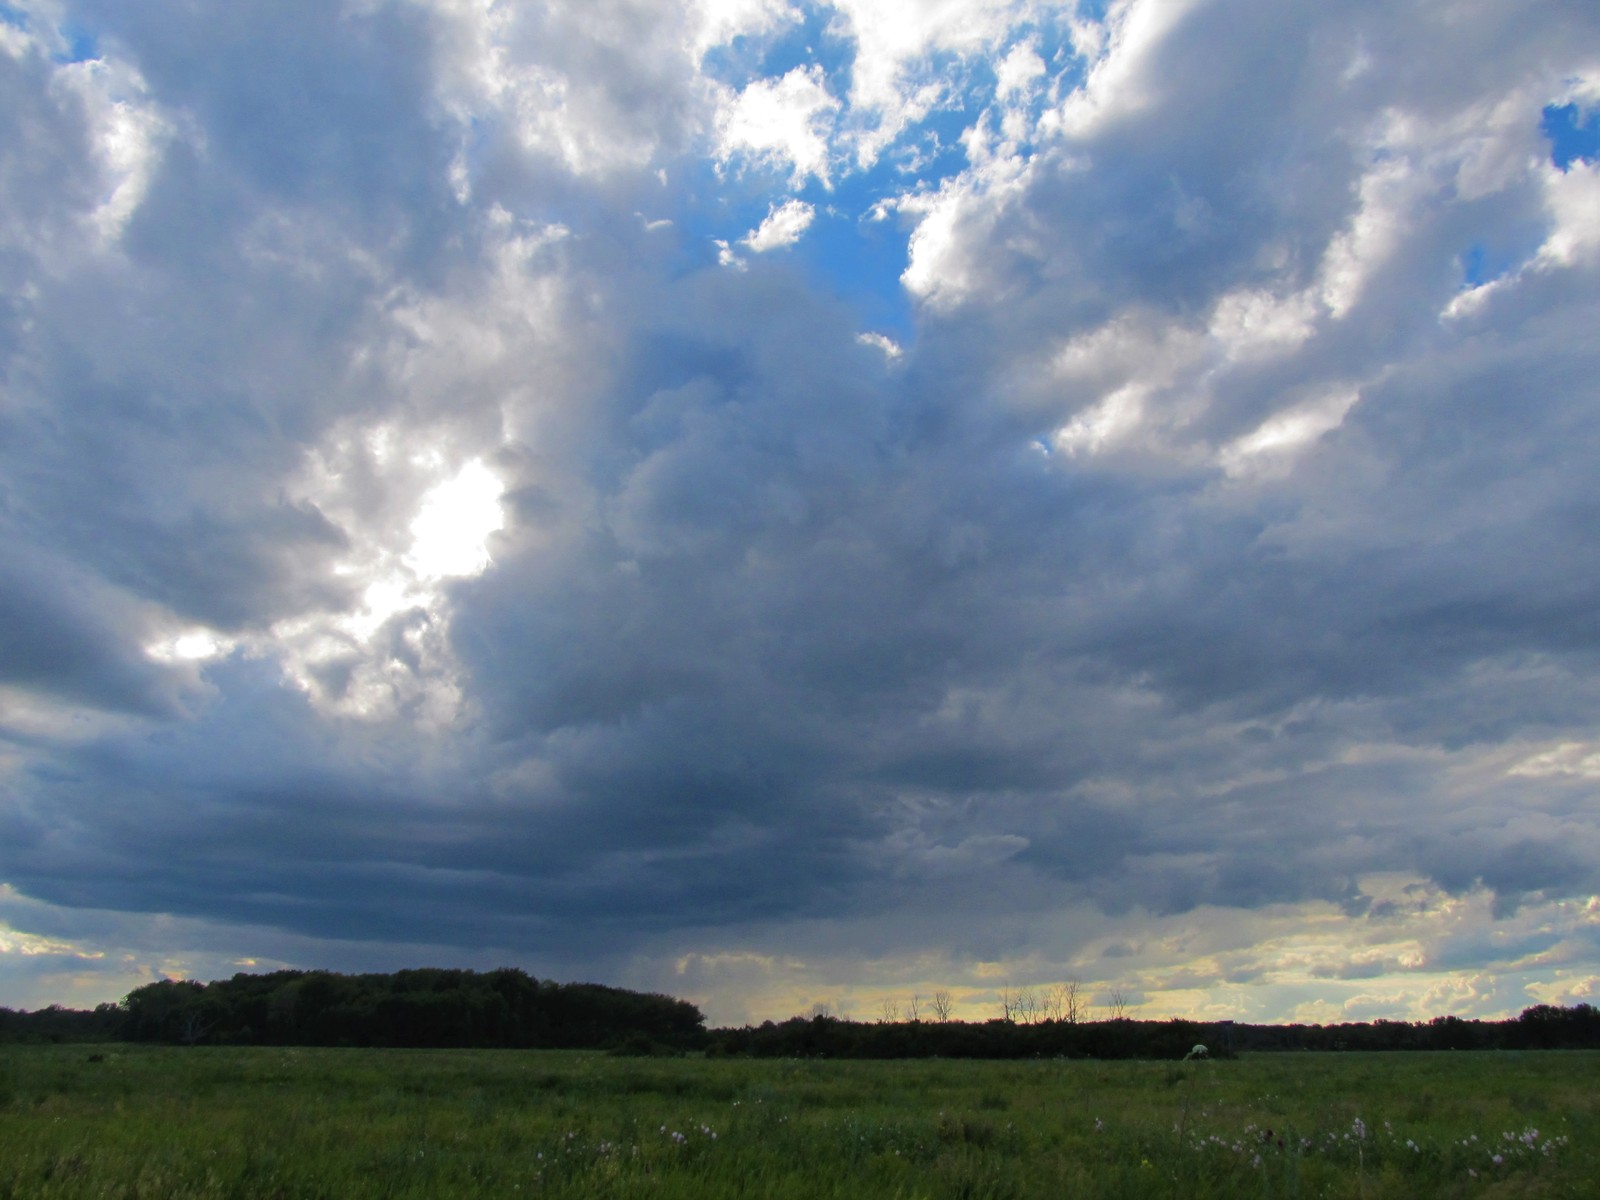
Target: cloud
<point>721,21</point>
<point>891,349</point>
<point>598,90</point>
<point>784,225</point>
<point>903,53</point>
<point>414,550</point>
<point>779,123</point>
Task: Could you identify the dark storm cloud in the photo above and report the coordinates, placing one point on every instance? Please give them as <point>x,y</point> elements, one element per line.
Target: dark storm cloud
<point>223,823</point>
<point>61,636</point>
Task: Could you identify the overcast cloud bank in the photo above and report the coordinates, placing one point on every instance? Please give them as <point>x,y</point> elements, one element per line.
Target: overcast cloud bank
<point>788,503</point>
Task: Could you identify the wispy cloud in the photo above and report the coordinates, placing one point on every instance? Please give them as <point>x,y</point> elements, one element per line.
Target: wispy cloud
<point>785,224</point>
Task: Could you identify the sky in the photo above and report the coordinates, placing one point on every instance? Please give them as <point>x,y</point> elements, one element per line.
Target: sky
<point>797,504</point>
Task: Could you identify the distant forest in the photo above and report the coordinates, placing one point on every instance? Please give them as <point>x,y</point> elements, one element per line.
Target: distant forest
<point>509,1008</point>
<point>1541,1027</point>
<point>423,1008</point>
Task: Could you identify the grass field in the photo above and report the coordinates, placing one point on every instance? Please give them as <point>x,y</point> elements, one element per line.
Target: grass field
<point>163,1123</point>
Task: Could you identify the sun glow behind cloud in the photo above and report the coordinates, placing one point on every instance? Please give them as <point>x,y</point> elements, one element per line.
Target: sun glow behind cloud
<point>191,645</point>
<point>389,649</point>
<point>452,530</point>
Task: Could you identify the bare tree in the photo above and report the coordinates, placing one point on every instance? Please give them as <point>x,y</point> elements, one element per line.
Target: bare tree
<point>889,1013</point>
<point>1071,1001</point>
<point>1117,1005</point>
<point>1061,1002</point>
<point>1028,1008</point>
<point>942,1004</point>
<point>914,1009</point>
<point>1008,1004</point>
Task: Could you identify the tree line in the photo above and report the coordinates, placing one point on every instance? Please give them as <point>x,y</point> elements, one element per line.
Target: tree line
<point>428,1007</point>
<point>433,1007</point>
<point>824,1036</point>
<point>1543,1027</point>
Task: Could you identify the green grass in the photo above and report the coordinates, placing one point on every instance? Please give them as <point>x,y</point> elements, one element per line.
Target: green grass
<point>291,1123</point>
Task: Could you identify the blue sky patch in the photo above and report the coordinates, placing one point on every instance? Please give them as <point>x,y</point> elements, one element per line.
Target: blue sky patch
<point>1573,134</point>
<point>82,44</point>
<point>861,261</point>
<point>745,59</point>
<point>802,44</point>
<point>1480,264</point>
<point>851,256</point>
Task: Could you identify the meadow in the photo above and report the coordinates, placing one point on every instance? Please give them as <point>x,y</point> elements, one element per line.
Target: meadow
<point>161,1122</point>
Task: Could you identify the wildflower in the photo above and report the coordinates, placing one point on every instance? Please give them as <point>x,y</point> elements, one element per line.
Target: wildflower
<point>1359,1128</point>
<point>1099,1125</point>
<point>1497,1160</point>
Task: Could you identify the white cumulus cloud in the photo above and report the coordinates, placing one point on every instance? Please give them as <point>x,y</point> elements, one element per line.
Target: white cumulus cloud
<point>784,225</point>
<point>782,123</point>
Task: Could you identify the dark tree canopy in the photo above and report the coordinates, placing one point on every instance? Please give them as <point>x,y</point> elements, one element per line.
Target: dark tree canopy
<point>1541,1027</point>
<point>432,1007</point>
<point>424,1007</point>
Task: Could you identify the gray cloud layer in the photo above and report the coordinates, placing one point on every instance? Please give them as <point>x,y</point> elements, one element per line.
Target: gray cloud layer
<point>1213,544</point>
